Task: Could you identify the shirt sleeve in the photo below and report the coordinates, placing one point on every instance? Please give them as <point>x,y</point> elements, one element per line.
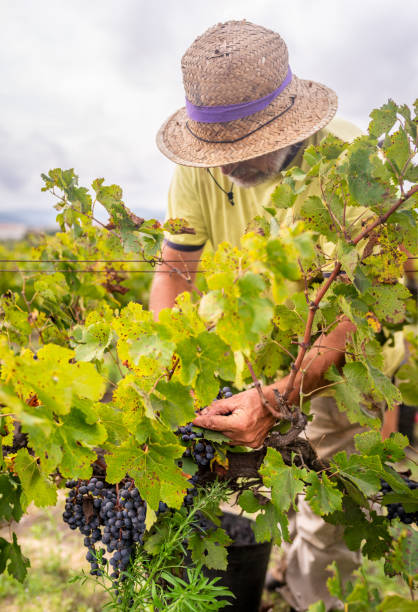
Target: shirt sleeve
<point>184,202</point>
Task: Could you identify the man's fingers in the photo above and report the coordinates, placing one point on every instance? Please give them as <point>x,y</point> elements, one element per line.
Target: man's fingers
<point>215,421</point>
<point>217,407</point>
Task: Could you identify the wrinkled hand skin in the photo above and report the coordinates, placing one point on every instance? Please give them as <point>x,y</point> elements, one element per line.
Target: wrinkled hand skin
<point>242,418</point>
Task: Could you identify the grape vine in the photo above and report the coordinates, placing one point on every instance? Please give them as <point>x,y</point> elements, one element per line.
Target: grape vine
<point>86,371</point>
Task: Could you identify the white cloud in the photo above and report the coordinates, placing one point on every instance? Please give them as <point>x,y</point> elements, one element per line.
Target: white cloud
<point>87,84</point>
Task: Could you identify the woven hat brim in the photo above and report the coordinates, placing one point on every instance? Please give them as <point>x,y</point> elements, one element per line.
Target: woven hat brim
<point>314,107</point>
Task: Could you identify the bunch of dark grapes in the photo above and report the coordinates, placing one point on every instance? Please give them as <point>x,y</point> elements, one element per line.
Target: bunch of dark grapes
<point>199,449</point>
<point>397,510</point>
<point>111,514</point>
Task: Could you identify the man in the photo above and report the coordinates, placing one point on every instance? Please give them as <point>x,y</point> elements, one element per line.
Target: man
<point>247,117</point>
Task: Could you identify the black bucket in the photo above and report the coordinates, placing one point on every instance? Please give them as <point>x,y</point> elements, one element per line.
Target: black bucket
<point>246,571</point>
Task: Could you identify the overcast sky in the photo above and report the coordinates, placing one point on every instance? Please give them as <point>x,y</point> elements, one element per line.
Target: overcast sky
<point>87,83</point>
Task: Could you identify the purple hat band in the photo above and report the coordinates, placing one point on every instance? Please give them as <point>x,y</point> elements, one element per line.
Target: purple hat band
<point>230,112</point>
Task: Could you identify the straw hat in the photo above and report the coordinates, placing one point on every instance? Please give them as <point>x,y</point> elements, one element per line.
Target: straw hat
<point>242,99</point>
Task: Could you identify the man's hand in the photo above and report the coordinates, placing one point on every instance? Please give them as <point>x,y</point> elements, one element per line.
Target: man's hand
<point>242,418</point>
<point>245,420</point>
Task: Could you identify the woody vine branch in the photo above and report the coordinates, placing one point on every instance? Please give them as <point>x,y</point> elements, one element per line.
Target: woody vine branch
<point>314,305</point>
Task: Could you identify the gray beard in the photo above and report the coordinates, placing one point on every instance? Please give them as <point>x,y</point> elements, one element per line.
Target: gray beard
<point>261,177</point>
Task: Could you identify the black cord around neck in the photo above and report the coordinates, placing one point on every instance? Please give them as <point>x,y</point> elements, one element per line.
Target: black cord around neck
<point>229,193</point>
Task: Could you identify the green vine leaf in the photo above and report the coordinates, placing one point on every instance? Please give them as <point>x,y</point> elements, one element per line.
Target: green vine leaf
<point>285,481</point>
<point>387,301</point>
<point>366,532</point>
<point>175,403</point>
<point>283,196</point>
<point>36,486</point>
<point>92,341</point>
<point>323,495</point>
<point>12,559</point>
<point>398,152</point>
<point>349,392</point>
<point>211,550</point>
<point>383,387</point>
<point>408,500</point>
<point>363,186</point>
<point>153,468</point>
<point>348,257</point>
<point>317,217</point>
<point>364,472</point>
<point>10,493</point>
<point>383,119</point>
<point>271,524</point>
<point>201,357</point>
<point>248,501</point>
<point>391,449</point>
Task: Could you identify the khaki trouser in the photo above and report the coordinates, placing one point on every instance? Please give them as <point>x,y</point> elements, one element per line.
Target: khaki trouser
<point>316,544</point>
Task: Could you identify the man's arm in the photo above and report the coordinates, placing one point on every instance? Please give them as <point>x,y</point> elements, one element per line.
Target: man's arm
<point>246,421</point>
<point>172,278</point>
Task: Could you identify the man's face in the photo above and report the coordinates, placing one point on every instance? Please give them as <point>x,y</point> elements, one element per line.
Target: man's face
<point>256,170</point>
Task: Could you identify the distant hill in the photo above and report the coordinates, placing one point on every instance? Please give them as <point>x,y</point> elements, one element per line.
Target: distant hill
<point>42,218</point>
